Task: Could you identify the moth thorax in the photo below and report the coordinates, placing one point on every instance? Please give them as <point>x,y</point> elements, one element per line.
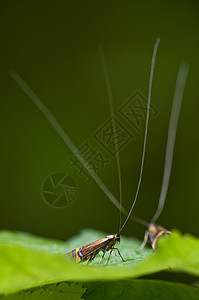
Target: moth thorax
<point>115,237</point>
<point>111,236</point>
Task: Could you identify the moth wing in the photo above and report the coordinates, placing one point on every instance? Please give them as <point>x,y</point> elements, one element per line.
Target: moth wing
<point>91,248</point>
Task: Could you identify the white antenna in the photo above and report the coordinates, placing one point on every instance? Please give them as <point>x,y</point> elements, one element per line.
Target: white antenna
<point>60,131</point>
<point>155,49</point>
<point>173,123</point>
<point>110,98</point>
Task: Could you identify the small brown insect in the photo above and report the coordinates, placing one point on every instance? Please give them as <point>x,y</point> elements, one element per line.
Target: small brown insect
<point>89,251</point>
<point>154,232</point>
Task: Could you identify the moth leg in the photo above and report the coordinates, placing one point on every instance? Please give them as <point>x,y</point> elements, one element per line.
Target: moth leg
<point>103,254</point>
<point>92,257</point>
<point>109,257</point>
<point>118,253</point>
<point>145,240</point>
<point>89,260</point>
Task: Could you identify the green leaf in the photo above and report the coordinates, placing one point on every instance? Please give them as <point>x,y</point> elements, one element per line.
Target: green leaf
<point>27,261</point>
<point>140,289</point>
<point>124,290</point>
<point>70,291</point>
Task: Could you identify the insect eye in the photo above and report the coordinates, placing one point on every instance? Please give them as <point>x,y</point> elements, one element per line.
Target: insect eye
<point>118,238</point>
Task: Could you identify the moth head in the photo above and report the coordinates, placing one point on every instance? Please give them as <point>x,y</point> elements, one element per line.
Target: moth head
<point>117,238</point>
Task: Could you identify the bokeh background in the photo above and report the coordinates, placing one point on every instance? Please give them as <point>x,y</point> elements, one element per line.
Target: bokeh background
<point>54,47</point>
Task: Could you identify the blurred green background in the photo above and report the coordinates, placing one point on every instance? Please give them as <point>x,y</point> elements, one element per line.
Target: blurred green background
<point>54,47</point>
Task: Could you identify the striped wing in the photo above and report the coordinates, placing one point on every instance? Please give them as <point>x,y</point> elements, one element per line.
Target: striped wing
<point>89,249</point>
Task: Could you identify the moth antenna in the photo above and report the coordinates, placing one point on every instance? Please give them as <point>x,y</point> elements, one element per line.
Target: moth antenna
<point>63,135</point>
<point>66,139</point>
<point>110,98</point>
<point>171,137</point>
<point>140,221</point>
<point>146,128</point>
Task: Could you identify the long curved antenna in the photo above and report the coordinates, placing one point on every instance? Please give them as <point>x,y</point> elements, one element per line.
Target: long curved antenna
<point>171,137</point>
<point>110,98</point>
<point>155,49</point>
<point>60,131</point>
